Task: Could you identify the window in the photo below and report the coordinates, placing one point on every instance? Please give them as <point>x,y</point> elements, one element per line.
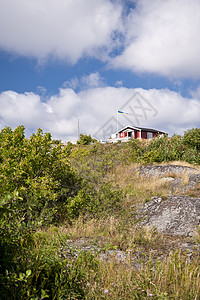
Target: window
<point>149,135</point>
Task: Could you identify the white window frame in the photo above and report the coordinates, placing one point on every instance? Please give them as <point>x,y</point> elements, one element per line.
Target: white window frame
<point>149,135</point>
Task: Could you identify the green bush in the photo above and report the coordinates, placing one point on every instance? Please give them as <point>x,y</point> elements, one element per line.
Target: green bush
<point>191,138</point>
<point>38,170</point>
<point>85,139</point>
<point>48,270</point>
<point>37,186</point>
<point>106,201</point>
<point>162,149</point>
<point>167,149</point>
<point>137,150</point>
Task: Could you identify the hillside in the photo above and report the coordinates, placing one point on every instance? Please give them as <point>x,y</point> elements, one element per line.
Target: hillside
<point>99,221</point>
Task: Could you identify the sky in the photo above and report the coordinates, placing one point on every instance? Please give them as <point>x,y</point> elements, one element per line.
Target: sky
<point>70,62</point>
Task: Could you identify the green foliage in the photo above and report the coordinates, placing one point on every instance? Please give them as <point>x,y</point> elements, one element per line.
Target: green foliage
<point>192,138</point>
<point>108,200</point>
<point>162,149</point>
<point>39,187</point>
<point>38,169</point>
<point>85,139</point>
<point>166,149</point>
<point>94,162</point>
<point>15,234</point>
<point>49,271</point>
<point>36,183</point>
<point>79,204</point>
<point>100,202</point>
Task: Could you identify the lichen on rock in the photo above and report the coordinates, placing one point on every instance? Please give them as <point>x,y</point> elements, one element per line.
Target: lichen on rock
<point>178,215</point>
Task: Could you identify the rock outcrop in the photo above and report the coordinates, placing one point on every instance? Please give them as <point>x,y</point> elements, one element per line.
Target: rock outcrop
<point>157,170</point>
<point>178,215</point>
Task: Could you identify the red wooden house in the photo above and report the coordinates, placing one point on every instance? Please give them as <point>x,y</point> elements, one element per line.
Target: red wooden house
<point>136,133</point>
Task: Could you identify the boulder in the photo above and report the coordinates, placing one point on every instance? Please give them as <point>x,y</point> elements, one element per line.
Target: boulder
<point>178,215</point>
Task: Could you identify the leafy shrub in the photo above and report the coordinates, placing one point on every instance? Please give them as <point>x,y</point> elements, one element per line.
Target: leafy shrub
<point>137,150</point>
<point>36,183</point>
<point>192,138</point>
<point>38,169</point>
<point>163,149</point>
<point>106,201</point>
<point>48,270</point>
<point>85,139</point>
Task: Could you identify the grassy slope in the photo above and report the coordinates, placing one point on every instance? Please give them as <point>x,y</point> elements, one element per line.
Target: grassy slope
<point>155,266</point>
<point>176,275</point>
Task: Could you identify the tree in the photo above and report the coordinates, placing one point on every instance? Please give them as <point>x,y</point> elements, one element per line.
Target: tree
<point>38,170</point>
<point>37,187</point>
<point>192,138</point>
<point>85,140</point>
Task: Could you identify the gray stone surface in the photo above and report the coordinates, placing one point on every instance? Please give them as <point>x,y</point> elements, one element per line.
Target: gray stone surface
<point>178,215</point>
<point>165,172</point>
<point>157,170</point>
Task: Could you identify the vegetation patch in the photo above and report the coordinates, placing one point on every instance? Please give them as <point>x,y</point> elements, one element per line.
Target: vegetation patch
<point>67,213</point>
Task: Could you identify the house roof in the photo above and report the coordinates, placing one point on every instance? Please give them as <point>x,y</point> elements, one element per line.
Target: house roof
<point>139,128</point>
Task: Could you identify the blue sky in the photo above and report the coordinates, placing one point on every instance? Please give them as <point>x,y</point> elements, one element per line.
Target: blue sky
<point>64,60</point>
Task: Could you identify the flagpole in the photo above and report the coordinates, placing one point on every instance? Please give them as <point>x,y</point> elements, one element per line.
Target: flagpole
<point>78,130</point>
<point>117,124</point>
<point>119,112</point>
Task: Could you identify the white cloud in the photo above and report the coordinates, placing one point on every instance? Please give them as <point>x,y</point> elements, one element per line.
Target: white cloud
<point>21,108</point>
<point>92,80</point>
<point>72,83</point>
<point>94,107</point>
<point>87,81</point>
<point>119,83</point>
<point>63,29</point>
<point>195,93</point>
<point>162,37</point>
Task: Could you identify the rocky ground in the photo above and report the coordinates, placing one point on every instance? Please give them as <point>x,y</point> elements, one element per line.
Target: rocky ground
<point>173,174</point>
<point>176,216</point>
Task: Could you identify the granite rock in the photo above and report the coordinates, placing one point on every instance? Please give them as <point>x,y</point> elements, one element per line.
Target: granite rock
<point>178,215</point>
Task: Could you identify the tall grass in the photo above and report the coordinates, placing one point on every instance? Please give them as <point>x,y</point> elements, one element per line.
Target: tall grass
<point>177,277</point>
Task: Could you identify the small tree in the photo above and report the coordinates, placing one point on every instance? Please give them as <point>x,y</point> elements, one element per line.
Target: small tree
<point>192,138</point>
<point>39,171</point>
<point>85,139</point>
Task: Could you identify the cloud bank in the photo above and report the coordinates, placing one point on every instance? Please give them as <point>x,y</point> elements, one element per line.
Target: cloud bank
<point>62,29</point>
<point>94,107</point>
<point>162,38</point>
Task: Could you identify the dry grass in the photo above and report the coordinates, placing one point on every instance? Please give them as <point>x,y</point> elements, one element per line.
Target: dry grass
<point>195,192</point>
<point>123,175</point>
<point>197,235</point>
<point>141,276</point>
<point>121,231</point>
<point>91,228</point>
<point>140,188</point>
<point>181,163</point>
<point>165,275</point>
<point>174,278</point>
<point>113,233</point>
<point>154,268</point>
